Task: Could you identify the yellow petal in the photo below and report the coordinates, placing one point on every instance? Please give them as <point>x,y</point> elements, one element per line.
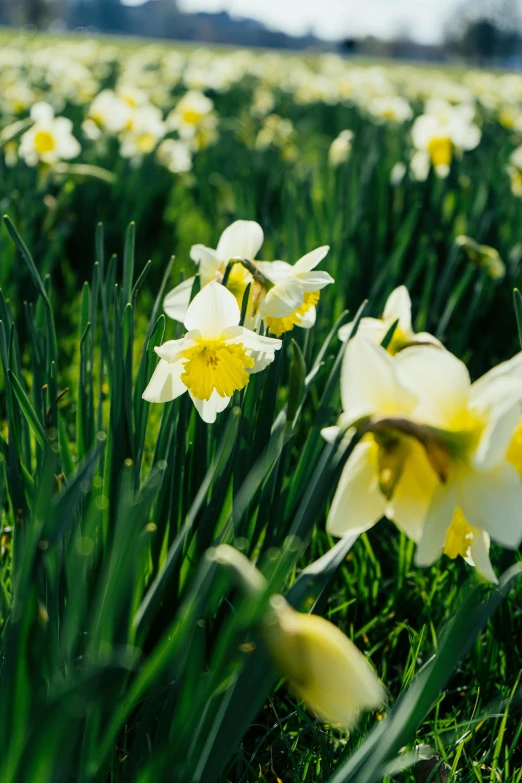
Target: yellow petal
<point>323,667</point>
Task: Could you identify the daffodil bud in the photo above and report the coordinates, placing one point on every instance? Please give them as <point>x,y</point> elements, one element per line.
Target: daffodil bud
<point>483,256</point>
<point>240,569</point>
<point>322,666</point>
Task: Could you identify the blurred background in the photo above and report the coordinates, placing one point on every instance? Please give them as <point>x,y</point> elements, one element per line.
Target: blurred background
<point>482,32</point>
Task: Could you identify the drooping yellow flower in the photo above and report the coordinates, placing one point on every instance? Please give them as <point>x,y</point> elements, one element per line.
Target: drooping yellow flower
<point>322,666</point>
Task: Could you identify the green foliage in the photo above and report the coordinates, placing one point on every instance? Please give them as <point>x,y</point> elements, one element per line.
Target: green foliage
<point>126,653</point>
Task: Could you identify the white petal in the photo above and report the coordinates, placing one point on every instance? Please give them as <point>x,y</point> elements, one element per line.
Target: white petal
<point>369,383</point>
<point>413,494</point>
<point>485,390</point>
<point>242,238</point>
<point>275,270</point>
<point>212,311</point>
<point>438,520</point>
<point>165,384</point>
<point>210,265</point>
<point>398,306</point>
<point>440,381</point>
<point>308,319</point>
<point>311,260</point>
<point>42,112</point>
<point>169,351</point>
<point>314,281</point>
<point>261,349</point>
<point>251,340</point>
<point>492,501</point>
<point>358,503</point>
<point>285,297</point>
<point>261,360</point>
<point>497,435</point>
<point>372,328</point>
<point>497,396</point>
<point>62,126</point>
<point>426,337</point>
<point>176,302</point>
<point>208,409</point>
<point>330,434</point>
<point>420,165</point>
<point>479,556</point>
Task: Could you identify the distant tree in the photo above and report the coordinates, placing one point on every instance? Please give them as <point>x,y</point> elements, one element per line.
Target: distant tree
<point>5,12</point>
<point>485,30</point>
<point>107,15</point>
<point>349,45</point>
<point>33,12</point>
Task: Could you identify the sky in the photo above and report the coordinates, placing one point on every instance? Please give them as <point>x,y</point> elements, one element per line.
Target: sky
<point>423,19</point>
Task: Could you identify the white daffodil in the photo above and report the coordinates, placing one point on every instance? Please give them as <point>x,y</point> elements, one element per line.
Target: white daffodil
<point>440,457</point>
<point>295,291</point>
<point>50,139</point>
<point>214,359</point>
<point>194,119</point>
<point>389,108</point>
<point>142,133</point>
<point>388,473</point>
<point>110,112</point>
<point>514,169</point>
<point>479,433</point>
<point>441,133</point>
<point>174,155</point>
<point>322,666</point>
<point>242,239</point>
<point>397,309</point>
<point>340,148</point>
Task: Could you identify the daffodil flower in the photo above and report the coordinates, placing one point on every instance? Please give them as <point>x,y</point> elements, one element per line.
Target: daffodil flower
<point>388,473</point>
<point>322,666</point>
<point>440,457</point>
<point>398,308</point>
<point>439,134</point>
<point>214,359</point>
<point>481,497</point>
<point>295,291</point>
<point>50,139</point>
<point>242,239</point>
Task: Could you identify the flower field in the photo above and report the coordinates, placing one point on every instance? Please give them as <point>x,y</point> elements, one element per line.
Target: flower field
<point>261,417</point>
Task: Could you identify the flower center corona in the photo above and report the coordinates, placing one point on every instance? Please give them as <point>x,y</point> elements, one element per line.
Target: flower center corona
<point>238,280</point>
<point>459,536</point>
<point>191,116</point>
<point>44,142</point>
<point>440,151</point>
<point>146,142</point>
<point>212,364</point>
<point>280,325</point>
